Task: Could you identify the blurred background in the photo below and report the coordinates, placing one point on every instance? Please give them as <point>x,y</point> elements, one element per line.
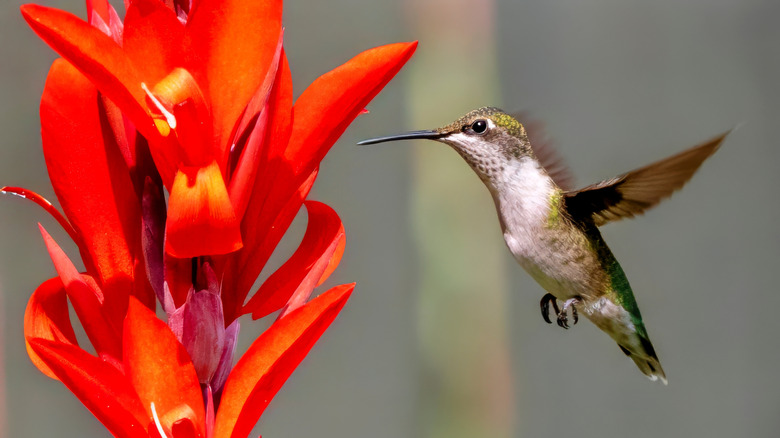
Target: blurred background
<point>443,337</point>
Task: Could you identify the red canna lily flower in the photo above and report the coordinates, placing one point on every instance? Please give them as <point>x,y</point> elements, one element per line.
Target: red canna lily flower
<point>192,97</point>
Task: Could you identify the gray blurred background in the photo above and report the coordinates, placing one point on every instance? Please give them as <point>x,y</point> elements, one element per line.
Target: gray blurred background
<point>443,337</point>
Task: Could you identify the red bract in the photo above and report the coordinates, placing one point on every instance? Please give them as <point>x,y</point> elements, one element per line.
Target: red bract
<point>193,98</point>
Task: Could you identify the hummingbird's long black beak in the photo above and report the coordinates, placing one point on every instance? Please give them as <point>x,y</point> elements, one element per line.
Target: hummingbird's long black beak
<point>413,135</point>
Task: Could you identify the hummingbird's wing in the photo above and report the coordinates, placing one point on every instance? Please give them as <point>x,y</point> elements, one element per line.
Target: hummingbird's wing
<point>632,193</point>
<point>545,151</point>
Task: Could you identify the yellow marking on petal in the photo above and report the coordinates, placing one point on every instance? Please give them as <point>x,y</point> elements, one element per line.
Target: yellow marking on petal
<point>169,117</point>
<point>162,127</point>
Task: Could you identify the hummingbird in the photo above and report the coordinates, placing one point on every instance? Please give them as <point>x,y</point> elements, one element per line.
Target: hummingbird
<point>553,231</point>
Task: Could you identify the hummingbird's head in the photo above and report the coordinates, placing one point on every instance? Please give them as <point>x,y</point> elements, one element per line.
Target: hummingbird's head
<point>487,138</point>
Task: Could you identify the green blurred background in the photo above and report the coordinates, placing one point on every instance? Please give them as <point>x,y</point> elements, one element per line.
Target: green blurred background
<point>443,337</point>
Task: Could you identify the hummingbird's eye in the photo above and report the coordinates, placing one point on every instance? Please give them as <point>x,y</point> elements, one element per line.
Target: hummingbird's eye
<point>479,126</point>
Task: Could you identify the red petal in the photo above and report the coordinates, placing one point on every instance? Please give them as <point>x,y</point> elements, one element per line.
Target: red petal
<point>99,7</point>
<point>264,368</point>
<point>257,219</point>
<point>329,105</point>
<point>88,302</point>
<point>178,279</point>
<point>231,45</point>
<point>103,389</point>
<point>185,428</point>
<point>258,146</point>
<point>152,39</point>
<point>123,131</point>
<point>47,317</point>
<point>201,220</point>
<point>302,272</point>
<point>93,185</point>
<point>46,205</point>
<point>159,368</point>
<point>97,56</point>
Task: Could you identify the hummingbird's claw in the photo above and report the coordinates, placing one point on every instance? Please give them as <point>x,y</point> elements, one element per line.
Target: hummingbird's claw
<point>560,313</point>
<point>574,315</point>
<point>563,319</point>
<point>545,305</point>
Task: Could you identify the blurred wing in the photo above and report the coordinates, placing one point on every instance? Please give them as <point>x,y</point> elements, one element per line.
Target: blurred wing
<point>631,194</point>
<point>545,151</point>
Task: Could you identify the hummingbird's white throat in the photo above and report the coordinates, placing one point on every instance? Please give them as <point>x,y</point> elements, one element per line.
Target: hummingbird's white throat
<point>522,192</point>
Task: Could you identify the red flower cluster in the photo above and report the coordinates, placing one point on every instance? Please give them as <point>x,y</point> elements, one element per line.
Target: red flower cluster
<point>192,97</point>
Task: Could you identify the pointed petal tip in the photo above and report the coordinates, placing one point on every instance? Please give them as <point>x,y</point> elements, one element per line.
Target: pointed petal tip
<point>29,9</point>
<point>271,359</point>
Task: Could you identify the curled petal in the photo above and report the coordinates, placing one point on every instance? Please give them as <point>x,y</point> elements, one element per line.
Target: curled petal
<point>264,368</point>
<point>252,260</point>
<point>46,317</point>
<point>200,216</point>
<point>46,205</point>
<point>88,302</point>
<point>307,266</point>
<point>159,368</point>
<point>101,387</point>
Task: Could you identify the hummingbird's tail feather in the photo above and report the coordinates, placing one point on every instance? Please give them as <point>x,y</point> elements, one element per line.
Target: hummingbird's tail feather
<point>624,325</point>
<point>646,359</point>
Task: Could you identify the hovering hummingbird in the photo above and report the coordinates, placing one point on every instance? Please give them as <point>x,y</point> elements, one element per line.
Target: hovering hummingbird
<point>553,232</point>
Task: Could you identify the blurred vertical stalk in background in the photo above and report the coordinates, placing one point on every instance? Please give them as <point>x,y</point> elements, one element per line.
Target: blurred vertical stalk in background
<point>467,388</point>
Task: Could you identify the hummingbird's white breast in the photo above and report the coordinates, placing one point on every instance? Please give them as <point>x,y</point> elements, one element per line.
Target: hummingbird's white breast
<point>522,193</point>
<point>552,251</point>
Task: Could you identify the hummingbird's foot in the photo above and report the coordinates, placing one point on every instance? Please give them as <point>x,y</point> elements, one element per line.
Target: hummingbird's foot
<point>545,305</point>
<point>563,319</point>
